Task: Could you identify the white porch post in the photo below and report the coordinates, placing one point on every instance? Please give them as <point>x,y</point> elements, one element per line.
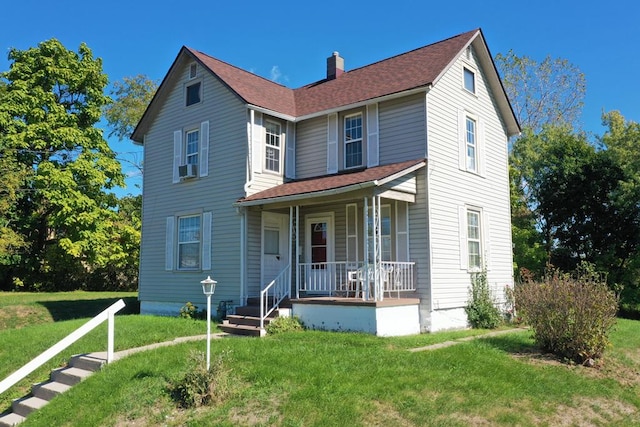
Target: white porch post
<point>365,272</point>
<point>297,251</point>
<point>243,256</point>
<point>377,245</point>
<point>290,245</point>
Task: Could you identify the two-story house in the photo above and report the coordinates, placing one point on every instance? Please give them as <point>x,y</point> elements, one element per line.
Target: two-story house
<point>366,199</point>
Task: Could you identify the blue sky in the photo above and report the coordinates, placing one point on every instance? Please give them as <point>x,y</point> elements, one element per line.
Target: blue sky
<point>290,40</point>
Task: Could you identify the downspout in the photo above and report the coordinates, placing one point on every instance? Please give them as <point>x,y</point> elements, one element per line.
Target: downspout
<point>243,256</point>
<point>249,174</point>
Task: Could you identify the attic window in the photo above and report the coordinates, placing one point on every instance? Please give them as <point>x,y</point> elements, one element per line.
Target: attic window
<point>193,70</point>
<point>193,93</point>
<point>469,80</point>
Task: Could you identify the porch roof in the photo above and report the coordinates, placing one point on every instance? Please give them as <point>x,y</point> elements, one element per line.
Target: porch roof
<point>333,184</point>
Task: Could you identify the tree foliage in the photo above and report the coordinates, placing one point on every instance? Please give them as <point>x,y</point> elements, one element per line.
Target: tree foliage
<point>131,97</point>
<point>550,92</point>
<point>61,209</point>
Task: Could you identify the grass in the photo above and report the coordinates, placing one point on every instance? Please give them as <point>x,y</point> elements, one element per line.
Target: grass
<point>324,379</point>
<point>26,341</point>
<point>20,309</point>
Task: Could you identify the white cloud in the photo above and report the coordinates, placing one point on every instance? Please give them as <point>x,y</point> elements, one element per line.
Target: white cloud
<point>275,73</point>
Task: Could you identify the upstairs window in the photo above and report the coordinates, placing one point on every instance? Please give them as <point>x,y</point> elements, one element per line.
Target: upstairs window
<point>469,80</point>
<point>353,141</point>
<point>191,148</point>
<point>193,93</point>
<point>273,132</point>
<point>471,140</point>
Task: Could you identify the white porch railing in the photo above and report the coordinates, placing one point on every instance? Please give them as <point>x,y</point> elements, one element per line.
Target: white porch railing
<point>273,294</point>
<point>344,278</point>
<point>107,314</point>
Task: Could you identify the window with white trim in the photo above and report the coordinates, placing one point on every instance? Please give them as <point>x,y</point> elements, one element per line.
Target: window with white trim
<point>471,139</point>
<point>353,141</point>
<point>192,147</point>
<point>273,134</point>
<point>189,242</point>
<point>474,246</point>
<point>469,80</point>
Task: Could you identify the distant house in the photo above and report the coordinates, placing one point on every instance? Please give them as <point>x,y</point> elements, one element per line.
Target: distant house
<point>363,201</point>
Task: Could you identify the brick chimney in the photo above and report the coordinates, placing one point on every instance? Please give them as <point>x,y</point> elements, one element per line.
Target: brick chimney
<point>335,66</point>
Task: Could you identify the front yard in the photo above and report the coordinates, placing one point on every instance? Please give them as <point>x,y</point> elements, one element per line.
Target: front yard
<point>321,378</point>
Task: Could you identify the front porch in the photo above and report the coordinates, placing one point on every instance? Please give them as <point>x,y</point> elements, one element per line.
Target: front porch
<point>338,251</point>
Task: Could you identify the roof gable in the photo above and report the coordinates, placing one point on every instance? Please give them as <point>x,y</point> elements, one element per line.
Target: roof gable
<point>412,70</point>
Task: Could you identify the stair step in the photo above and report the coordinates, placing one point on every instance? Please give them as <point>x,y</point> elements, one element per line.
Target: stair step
<point>69,376</point>
<point>236,319</point>
<point>241,330</point>
<point>27,405</point>
<point>89,362</point>
<point>49,389</point>
<point>11,419</point>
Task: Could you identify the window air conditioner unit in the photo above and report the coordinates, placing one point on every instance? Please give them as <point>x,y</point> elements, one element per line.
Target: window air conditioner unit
<point>188,171</point>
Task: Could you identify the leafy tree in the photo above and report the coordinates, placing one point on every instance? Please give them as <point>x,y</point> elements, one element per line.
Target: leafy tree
<point>52,100</point>
<point>131,96</point>
<point>550,92</point>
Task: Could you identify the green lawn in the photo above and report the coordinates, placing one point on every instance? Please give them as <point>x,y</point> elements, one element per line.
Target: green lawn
<point>339,379</point>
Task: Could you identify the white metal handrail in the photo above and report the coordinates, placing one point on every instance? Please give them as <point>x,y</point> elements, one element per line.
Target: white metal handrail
<point>107,314</point>
<point>273,294</point>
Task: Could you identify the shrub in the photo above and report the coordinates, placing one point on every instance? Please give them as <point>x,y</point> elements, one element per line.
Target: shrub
<point>482,310</point>
<point>190,311</point>
<point>569,316</point>
<point>202,387</point>
<point>284,324</point>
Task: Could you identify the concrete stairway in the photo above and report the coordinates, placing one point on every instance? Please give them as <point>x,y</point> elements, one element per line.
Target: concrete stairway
<point>61,380</point>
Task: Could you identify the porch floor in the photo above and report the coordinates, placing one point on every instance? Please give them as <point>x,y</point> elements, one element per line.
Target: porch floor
<point>331,300</point>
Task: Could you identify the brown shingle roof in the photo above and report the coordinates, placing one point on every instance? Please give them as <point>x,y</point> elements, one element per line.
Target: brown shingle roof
<point>252,88</point>
<point>414,69</point>
<point>314,186</point>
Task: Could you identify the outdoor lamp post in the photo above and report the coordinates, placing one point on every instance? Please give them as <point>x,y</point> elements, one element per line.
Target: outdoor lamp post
<point>208,288</point>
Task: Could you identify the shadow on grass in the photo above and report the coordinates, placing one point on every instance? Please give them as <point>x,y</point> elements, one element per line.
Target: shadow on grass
<point>78,309</point>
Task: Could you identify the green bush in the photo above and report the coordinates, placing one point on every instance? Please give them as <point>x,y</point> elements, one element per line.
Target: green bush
<point>190,311</point>
<point>482,308</point>
<point>570,316</point>
<point>202,387</point>
<point>284,324</point>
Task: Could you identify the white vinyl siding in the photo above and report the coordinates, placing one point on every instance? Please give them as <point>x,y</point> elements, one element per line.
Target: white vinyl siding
<point>311,147</point>
<point>226,119</point>
<point>332,143</point>
<point>402,129</point>
<point>373,150</point>
<point>290,158</point>
<point>451,188</point>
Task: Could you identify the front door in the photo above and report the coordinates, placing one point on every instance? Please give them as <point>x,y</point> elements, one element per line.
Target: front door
<point>320,272</point>
<point>275,247</point>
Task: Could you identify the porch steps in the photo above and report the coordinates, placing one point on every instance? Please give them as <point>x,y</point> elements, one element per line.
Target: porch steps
<point>61,380</point>
<point>246,321</point>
